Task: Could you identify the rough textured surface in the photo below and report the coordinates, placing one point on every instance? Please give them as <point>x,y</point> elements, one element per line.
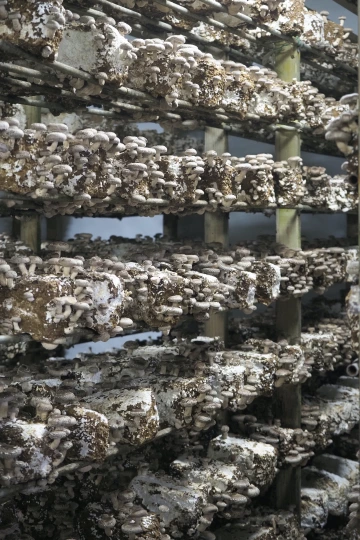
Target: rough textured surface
<point>93,172</point>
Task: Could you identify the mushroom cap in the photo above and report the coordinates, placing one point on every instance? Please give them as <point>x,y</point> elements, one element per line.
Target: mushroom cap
<point>56,136</point>
<point>106,521</point>
<point>9,451</point>
<point>62,168</point>
<point>22,154</point>
<point>77,148</point>
<point>44,406</point>
<point>66,261</point>
<point>64,396</point>
<point>35,259</point>
<point>61,128</point>
<point>160,148</point>
<point>81,306</point>
<point>137,166</point>
<point>156,47</point>
<point>176,39</point>
<point>133,528</point>
<point>188,402</point>
<point>124,28</point>
<point>58,246</point>
<point>88,133</point>
<point>19,259</point>
<point>59,433</point>
<point>14,132</point>
<point>37,126</point>
<point>12,121</point>
<point>61,420</point>
<point>101,137</point>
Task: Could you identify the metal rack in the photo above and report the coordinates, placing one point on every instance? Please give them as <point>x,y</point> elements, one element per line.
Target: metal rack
<point>126,102</point>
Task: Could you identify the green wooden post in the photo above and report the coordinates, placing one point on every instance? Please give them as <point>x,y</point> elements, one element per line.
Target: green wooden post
<point>170,225</point>
<point>54,228</point>
<point>30,232</point>
<point>216,228</point>
<point>287,399</point>
<point>30,225</point>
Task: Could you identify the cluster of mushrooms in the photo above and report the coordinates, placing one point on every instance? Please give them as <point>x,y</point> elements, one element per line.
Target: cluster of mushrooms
<point>343,127</point>
<point>62,292</point>
<point>316,267</point>
<point>44,23</point>
<point>171,72</point>
<point>176,438</point>
<point>125,444</point>
<point>93,171</point>
<point>325,493</point>
<point>325,344</point>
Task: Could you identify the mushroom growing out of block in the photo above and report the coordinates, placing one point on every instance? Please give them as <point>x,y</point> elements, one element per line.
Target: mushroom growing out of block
<point>107,523</point>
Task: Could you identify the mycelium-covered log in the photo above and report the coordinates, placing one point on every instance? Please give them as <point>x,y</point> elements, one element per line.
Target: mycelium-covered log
<point>67,440</point>
<point>131,494</point>
<point>263,523</point>
<point>313,267</point>
<point>347,444</point>
<point>325,342</point>
<point>132,497</point>
<point>47,24</point>
<point>93,172</point>
<point>343,128</point>
<point>173,71</point>
<point>333,475</point>
<point>293,446</point>
<point>164,281</point>
<point>81,408</point>
<point>289,17</point>
<point>318,31</point>
<point>36,26</point>
<point>332,410</point>
<point>51,298</point>
<point>353,310</point>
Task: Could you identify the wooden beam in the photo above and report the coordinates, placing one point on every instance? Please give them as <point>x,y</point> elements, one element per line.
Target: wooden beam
<point>287,399</point>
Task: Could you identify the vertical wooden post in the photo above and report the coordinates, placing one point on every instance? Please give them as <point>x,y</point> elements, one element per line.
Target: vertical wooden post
<point>216,227</point>
<point>352,226</point>
<point>54,228</point>
<point>30,231</point>
<point>170,226</point>
<point>287,399</point>
<point>33,114</point>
